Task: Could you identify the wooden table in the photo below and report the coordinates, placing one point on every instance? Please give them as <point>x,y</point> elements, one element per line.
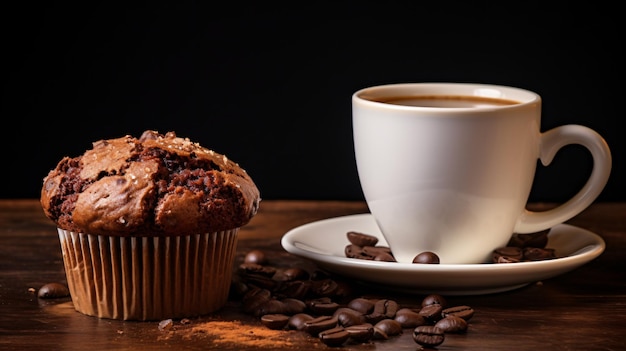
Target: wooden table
<point>584,309</point>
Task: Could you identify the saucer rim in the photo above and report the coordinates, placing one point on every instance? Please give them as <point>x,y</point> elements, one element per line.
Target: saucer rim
<point>593,247</point>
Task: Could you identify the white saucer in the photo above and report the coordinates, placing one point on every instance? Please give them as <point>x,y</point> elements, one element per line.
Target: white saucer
<point>324,242</point>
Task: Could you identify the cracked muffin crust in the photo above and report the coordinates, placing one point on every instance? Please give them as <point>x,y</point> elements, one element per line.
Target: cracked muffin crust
<point>155,185</point>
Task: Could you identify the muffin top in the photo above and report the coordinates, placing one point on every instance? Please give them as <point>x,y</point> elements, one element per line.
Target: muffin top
<point>157,185</point>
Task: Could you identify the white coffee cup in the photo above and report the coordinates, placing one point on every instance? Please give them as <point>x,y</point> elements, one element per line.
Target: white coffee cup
<point>448,167</point>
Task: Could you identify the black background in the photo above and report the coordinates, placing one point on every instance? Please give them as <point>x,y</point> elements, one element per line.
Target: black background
<point>270,86</point>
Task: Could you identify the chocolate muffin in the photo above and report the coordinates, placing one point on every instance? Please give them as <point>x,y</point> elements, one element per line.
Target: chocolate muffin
<point>148,226</point>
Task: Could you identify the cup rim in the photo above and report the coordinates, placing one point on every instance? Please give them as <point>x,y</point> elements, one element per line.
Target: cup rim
<point>523,96</point>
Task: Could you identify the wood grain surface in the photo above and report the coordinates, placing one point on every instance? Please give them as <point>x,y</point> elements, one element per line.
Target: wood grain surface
<point>584,309</point>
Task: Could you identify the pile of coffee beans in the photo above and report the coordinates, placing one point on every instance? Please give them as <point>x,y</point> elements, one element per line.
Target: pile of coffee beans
<point>520,248</point>
<point>524,248</point>
<point>324,306</point>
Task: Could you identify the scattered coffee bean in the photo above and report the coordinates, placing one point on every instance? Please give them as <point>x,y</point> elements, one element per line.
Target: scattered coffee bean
<point>293,306</point>
<point>334,337</point>
<point>255,268</point>
<point>255,256</point>
<point>319,324</point>
<point>434,299</point>
<point>452,324</point>
<point>520,248</point>
<point>271,306</point>
<point>374,251</point>
<point>512,254</point>
<point>275,321</point>
<point>384,257</point>
<point>508,254</point>
<point>379,334</point>
<point>361,239</point>
<point>261,281</point>
<point>255,298</point>
<point>295,273</point>
<point>298,320</point>
<point>53,291</point>
<point>360,332</point>
<point>383,309</point>
<point>465,312</point>
<point>538,254</point>
<point>325,287</point>
<point>426,257</point>
<point>348,317</point>
<point>432,312</point>
<point>537,239</point>
<point>298,289</point>
<point>428,335</point>
<point>362,305</point>
<point>324,305</point>
<point>409,318</point>
<point>389,326</point>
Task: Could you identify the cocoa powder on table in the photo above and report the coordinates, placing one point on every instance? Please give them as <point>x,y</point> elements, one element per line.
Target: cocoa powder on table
<point>233,333</point>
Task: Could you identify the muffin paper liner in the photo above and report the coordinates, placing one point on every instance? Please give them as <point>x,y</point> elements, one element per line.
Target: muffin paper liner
<point>148,278</point>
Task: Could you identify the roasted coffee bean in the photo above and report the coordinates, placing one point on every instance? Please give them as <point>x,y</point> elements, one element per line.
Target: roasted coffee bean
<point>238,288</point>
<point>347,317</point>
<point>362,305</point>
<point>255,268</point>
<point>319,275</point>
<point>294,273</point>
<point>383,309</point>
<point>537,239</point>
<point>325,287</point>
<point>319,324</point>
<point>270,306</point>
<point>318,300</point>
<point>409,318</point>
<point>275,321</point>
<point>374,251</point>
<point>384,257</point>
<point>361,332</point>
<point>434,299</point>
<point>361,239</point>
<point>260,281</point>
<point>508,254</point>
<point>379,334</point>
<point>298,320</point>
<point>344,289</point>
<point>293,306</point>
<point>389,326</point>
<point>254,298</point>
<point>53,291</point>
<point>426,257</point>
<point>428,336</point>
<point>465,312</point>
<point>432,312</point>
<point>323,308</point>
<point>255,256</point>
<point>538,254</point>
<point>355,251</point>
<point>287,302</point>
<point>452,324</point>
<point>334,337</point>
<point>297,289</point>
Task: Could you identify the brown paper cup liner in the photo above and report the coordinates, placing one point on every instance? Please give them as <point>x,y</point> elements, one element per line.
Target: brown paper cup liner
<point>148,278</point>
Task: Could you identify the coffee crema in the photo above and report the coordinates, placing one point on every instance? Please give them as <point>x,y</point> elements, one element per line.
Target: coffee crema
<point>443,101</point>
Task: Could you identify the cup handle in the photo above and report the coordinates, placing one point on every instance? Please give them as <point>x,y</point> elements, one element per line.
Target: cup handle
<point>551,142</point>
